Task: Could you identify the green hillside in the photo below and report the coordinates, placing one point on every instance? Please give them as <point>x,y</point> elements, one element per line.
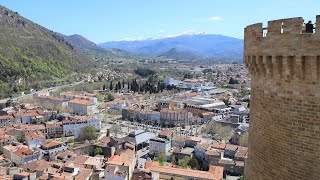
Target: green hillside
<point>32,56</point>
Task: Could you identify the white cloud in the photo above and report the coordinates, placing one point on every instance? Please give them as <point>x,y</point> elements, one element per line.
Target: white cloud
<point>215,18</point>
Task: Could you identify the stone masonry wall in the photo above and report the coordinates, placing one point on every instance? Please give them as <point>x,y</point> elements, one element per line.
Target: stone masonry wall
<point>284,141</point>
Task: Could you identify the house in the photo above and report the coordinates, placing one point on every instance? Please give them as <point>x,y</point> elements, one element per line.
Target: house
<point>34,139</point>
<point>84,174</point>
<point>159,145</point>
<point>140,138</point>
<point>25,155</point>
<point>6,120</point>
<point>5,139</point>
<point>230,150</point>
<point>83,149</point>
<point>166,172</point>
<point>192,141</point>
<point>73,127</point>
<point>24,176</point>
<point>109,146</point>
<point>51,147</point>
<point>116,172</point>
<point>39,167</point>
<point>179,141</point>
<point>28,117</point>
<point>82,107</point>
<point>126,161</point>
<point>117,105</point>
<point>8,150</point>
<point>141,174</point>
<point>21,130</point>
<point>217,145</point>
<point>212,157</point>
<point>241,154</point>
<point>54,129</point>
<point>200,149</point>
<point>232,167</point>
<point>167,134</point>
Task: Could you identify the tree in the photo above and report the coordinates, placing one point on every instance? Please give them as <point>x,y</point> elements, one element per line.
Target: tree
<point>111,86</point>
<point>9,103</point>
<point>161,159</point>
<point>222,131</point>
<point>119,85</point>
<point>98,151</point>
<point>122,83</point>
<point>99,97</point>
<point>110,97</point>
<point>233,81</point>
<point>173,159</point>
<point>184,162</point>
<point>2,105</point>
<point>104,87</point>
<point>243,141</point>
<point>194,163</point>
<point>88,133</point>
<point>20,139</point>
<point>115,130</point>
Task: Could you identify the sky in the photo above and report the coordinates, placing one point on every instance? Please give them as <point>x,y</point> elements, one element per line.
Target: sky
<point>112,20</point>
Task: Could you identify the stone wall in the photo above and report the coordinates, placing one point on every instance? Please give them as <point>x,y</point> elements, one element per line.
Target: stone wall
<point>284,141</point>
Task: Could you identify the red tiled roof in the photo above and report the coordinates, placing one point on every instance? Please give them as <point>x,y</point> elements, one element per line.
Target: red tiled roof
<point>82,102</point>
<point>6,117</point>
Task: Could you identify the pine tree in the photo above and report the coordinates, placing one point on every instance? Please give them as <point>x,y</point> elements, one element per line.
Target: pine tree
<point>122,83</point>
<point>104,87</point>
<point>111,86</point>
<point>119,85</point>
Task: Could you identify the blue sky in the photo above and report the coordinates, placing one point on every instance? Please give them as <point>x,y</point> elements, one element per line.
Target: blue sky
<point>109,20</point>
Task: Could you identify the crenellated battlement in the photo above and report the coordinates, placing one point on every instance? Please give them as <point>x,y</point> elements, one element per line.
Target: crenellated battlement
<point>282,37</point>
<point>287,68</point>
<point>280,27</point>
<point>283,52</point>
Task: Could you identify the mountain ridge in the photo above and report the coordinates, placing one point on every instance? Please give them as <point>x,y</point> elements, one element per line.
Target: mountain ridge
<point>204,45</point>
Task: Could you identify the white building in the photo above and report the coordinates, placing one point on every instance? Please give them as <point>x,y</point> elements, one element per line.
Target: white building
<point>82,96</point>
<point>82,107</point>
<point>56,101</point>
<point>159,145</point>
<point>74,127</point>
<point>171,81</point>
<point>34,139</point>
<point>117,105</point>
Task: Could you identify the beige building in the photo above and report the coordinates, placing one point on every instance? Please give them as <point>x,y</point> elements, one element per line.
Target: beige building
<point>166,172</point>
<point>82,107</point>
<point>177,117</point>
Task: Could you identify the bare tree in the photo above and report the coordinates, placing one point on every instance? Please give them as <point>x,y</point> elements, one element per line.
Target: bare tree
<point>221,131</point>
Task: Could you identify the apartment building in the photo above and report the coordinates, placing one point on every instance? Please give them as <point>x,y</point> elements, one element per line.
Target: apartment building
<point>82,107</point>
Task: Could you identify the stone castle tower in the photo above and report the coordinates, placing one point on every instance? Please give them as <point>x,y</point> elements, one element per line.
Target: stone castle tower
<point>284,63</point>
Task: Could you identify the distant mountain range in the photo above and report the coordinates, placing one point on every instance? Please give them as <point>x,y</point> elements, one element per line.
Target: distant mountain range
<point>100,54</point>
<point>185,46</point>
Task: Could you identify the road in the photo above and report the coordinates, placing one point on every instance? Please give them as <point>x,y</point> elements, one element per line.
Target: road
<point>40,91</point>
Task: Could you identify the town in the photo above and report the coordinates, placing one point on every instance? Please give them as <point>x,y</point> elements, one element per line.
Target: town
<point>187,122</point>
